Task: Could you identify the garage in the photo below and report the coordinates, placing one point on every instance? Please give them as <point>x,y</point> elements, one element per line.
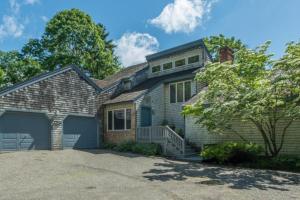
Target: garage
<point>80,132</point>
<point>24,131</point>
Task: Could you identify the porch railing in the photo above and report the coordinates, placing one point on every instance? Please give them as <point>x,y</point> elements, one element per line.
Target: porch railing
<point>163,135</point>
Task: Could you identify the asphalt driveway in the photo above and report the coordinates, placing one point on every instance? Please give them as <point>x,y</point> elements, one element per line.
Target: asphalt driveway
<point>71,174</point>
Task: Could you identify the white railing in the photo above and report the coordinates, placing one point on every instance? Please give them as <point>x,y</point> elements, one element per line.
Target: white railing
<point>162,135</point>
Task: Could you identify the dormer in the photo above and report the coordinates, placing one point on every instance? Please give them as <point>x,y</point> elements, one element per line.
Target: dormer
<point>190,55</point>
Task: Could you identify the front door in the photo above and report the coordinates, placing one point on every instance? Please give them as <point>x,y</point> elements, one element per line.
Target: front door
<point>146,117</point>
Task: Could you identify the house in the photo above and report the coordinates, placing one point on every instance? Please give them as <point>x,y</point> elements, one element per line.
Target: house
<point>67,109</point>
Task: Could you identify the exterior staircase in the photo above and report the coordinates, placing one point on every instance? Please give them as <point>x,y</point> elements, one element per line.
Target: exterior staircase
<point>173,145</point>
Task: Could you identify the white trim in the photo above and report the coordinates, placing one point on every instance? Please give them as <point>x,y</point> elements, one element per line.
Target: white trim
<point>125,119</point>
<point>176,83</point>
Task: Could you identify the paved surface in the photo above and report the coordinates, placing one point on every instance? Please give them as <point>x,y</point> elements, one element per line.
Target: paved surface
<point>105,175</point>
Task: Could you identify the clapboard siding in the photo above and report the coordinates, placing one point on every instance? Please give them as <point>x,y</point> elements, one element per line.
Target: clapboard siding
<point>199,135</point>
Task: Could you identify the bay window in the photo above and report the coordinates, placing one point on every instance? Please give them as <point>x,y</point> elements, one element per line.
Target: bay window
<point>119,119</point>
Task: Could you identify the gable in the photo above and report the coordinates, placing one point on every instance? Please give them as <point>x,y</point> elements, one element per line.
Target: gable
<point>46,76</point>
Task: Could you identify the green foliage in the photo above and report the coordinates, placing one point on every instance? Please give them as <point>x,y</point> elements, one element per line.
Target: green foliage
<point>288,163</point>
<point>253,89</point>
<point>125,146</point>
<point>15,68</point>
<point>214,43</point>
<point>131,146</point>
<point>147,149</point>
<point>71,37</point>
<point>231,152</point>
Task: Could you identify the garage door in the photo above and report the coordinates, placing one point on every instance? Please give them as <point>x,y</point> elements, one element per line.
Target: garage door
<point>80,132</point>
<point>24,131</point>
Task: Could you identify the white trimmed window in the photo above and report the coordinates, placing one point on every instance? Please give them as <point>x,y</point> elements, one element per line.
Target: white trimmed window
<point>118,120</point>
<point>180,91</point>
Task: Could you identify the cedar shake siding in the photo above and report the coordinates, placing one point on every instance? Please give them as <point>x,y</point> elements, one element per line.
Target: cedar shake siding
<point>58,96</point>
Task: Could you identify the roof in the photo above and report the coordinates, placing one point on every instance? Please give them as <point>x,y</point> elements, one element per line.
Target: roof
<point>178,49</point>
<point>47,75</point>
<point>123,73</point>
<point>145,86</point>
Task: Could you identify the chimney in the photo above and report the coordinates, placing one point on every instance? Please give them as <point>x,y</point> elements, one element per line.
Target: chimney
<point>226,54</point>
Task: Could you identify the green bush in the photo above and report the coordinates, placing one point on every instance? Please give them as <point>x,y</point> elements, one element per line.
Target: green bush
<point>109,146</point>
<point>283,162</point>
<point>131,146</point>
<point>147,149</point>
<point>231,152</point>
<point>125,146</point>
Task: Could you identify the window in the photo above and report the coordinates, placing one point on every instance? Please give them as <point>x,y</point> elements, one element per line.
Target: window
<point>119,119</point>
<point>156,69</point>
<point>193,59</point>
<point>179,63</point>
<point>187,90</point>
<point>128,118</point>
<point>180,92</point>
<point>173,93</point>
<point>168,66</point>
<point>110,115</point>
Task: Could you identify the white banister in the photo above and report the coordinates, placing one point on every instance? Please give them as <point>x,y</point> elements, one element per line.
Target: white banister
<point>162,135</point>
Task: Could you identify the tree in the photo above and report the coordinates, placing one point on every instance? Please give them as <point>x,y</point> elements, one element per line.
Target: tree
<point>15,68</point>
<point>253,89</point>
<point>71,37</point>
<point>214,43</point>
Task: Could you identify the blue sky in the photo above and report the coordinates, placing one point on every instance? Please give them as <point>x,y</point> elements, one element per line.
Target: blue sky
<point>143,27</point>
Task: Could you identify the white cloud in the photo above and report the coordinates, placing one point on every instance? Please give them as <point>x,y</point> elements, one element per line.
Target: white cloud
<point>14,6</point>
<point>183,15</point>
<point>10,27</point>
<point>45,18</point>
<point>133,47</point>
<point>31,2</point>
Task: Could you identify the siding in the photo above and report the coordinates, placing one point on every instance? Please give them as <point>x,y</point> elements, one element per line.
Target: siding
<point>58,96</point>
<point>199,135</point>
<point>173,110</point>
<point>175,58</point>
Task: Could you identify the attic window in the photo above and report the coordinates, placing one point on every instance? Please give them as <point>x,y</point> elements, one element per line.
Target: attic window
<point>156,69</point>
<point>179,63</point>
<point>193,59</point>
<point>168,66</point>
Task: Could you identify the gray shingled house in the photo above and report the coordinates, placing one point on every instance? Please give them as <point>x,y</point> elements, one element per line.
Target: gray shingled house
<point>66,109</point>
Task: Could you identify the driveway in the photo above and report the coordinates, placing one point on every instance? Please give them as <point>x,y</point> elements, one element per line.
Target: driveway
<point>98,174</point>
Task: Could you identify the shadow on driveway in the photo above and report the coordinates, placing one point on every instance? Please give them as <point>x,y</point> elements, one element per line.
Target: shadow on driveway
<point>235,178</point>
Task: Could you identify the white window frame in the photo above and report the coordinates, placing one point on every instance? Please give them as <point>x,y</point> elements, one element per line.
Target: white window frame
<point>157,71</point>
<point>168,63</point>
<point>176,83</point>
<point>113,120</point>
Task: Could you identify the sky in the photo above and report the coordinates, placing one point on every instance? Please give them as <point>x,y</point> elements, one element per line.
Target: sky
<point>143,27</point>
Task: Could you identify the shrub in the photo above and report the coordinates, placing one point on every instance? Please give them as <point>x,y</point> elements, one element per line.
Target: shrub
<point>131,146</point>
<point>125,146</point>
<point>147,149</point>
<point>283,162</point>
<point>231,152</point>
<point>109,146</point>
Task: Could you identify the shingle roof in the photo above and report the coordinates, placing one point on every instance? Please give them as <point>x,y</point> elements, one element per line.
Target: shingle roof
<point>47,75</point>
<point>144,87</point>
<point>123,73</point>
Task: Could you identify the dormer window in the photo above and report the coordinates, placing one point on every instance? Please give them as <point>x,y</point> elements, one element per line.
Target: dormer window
<point>179,63</point>
<point>127,85</point>
<point>167,66</point>
<point>156,69</point>
<point>193,59</point>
